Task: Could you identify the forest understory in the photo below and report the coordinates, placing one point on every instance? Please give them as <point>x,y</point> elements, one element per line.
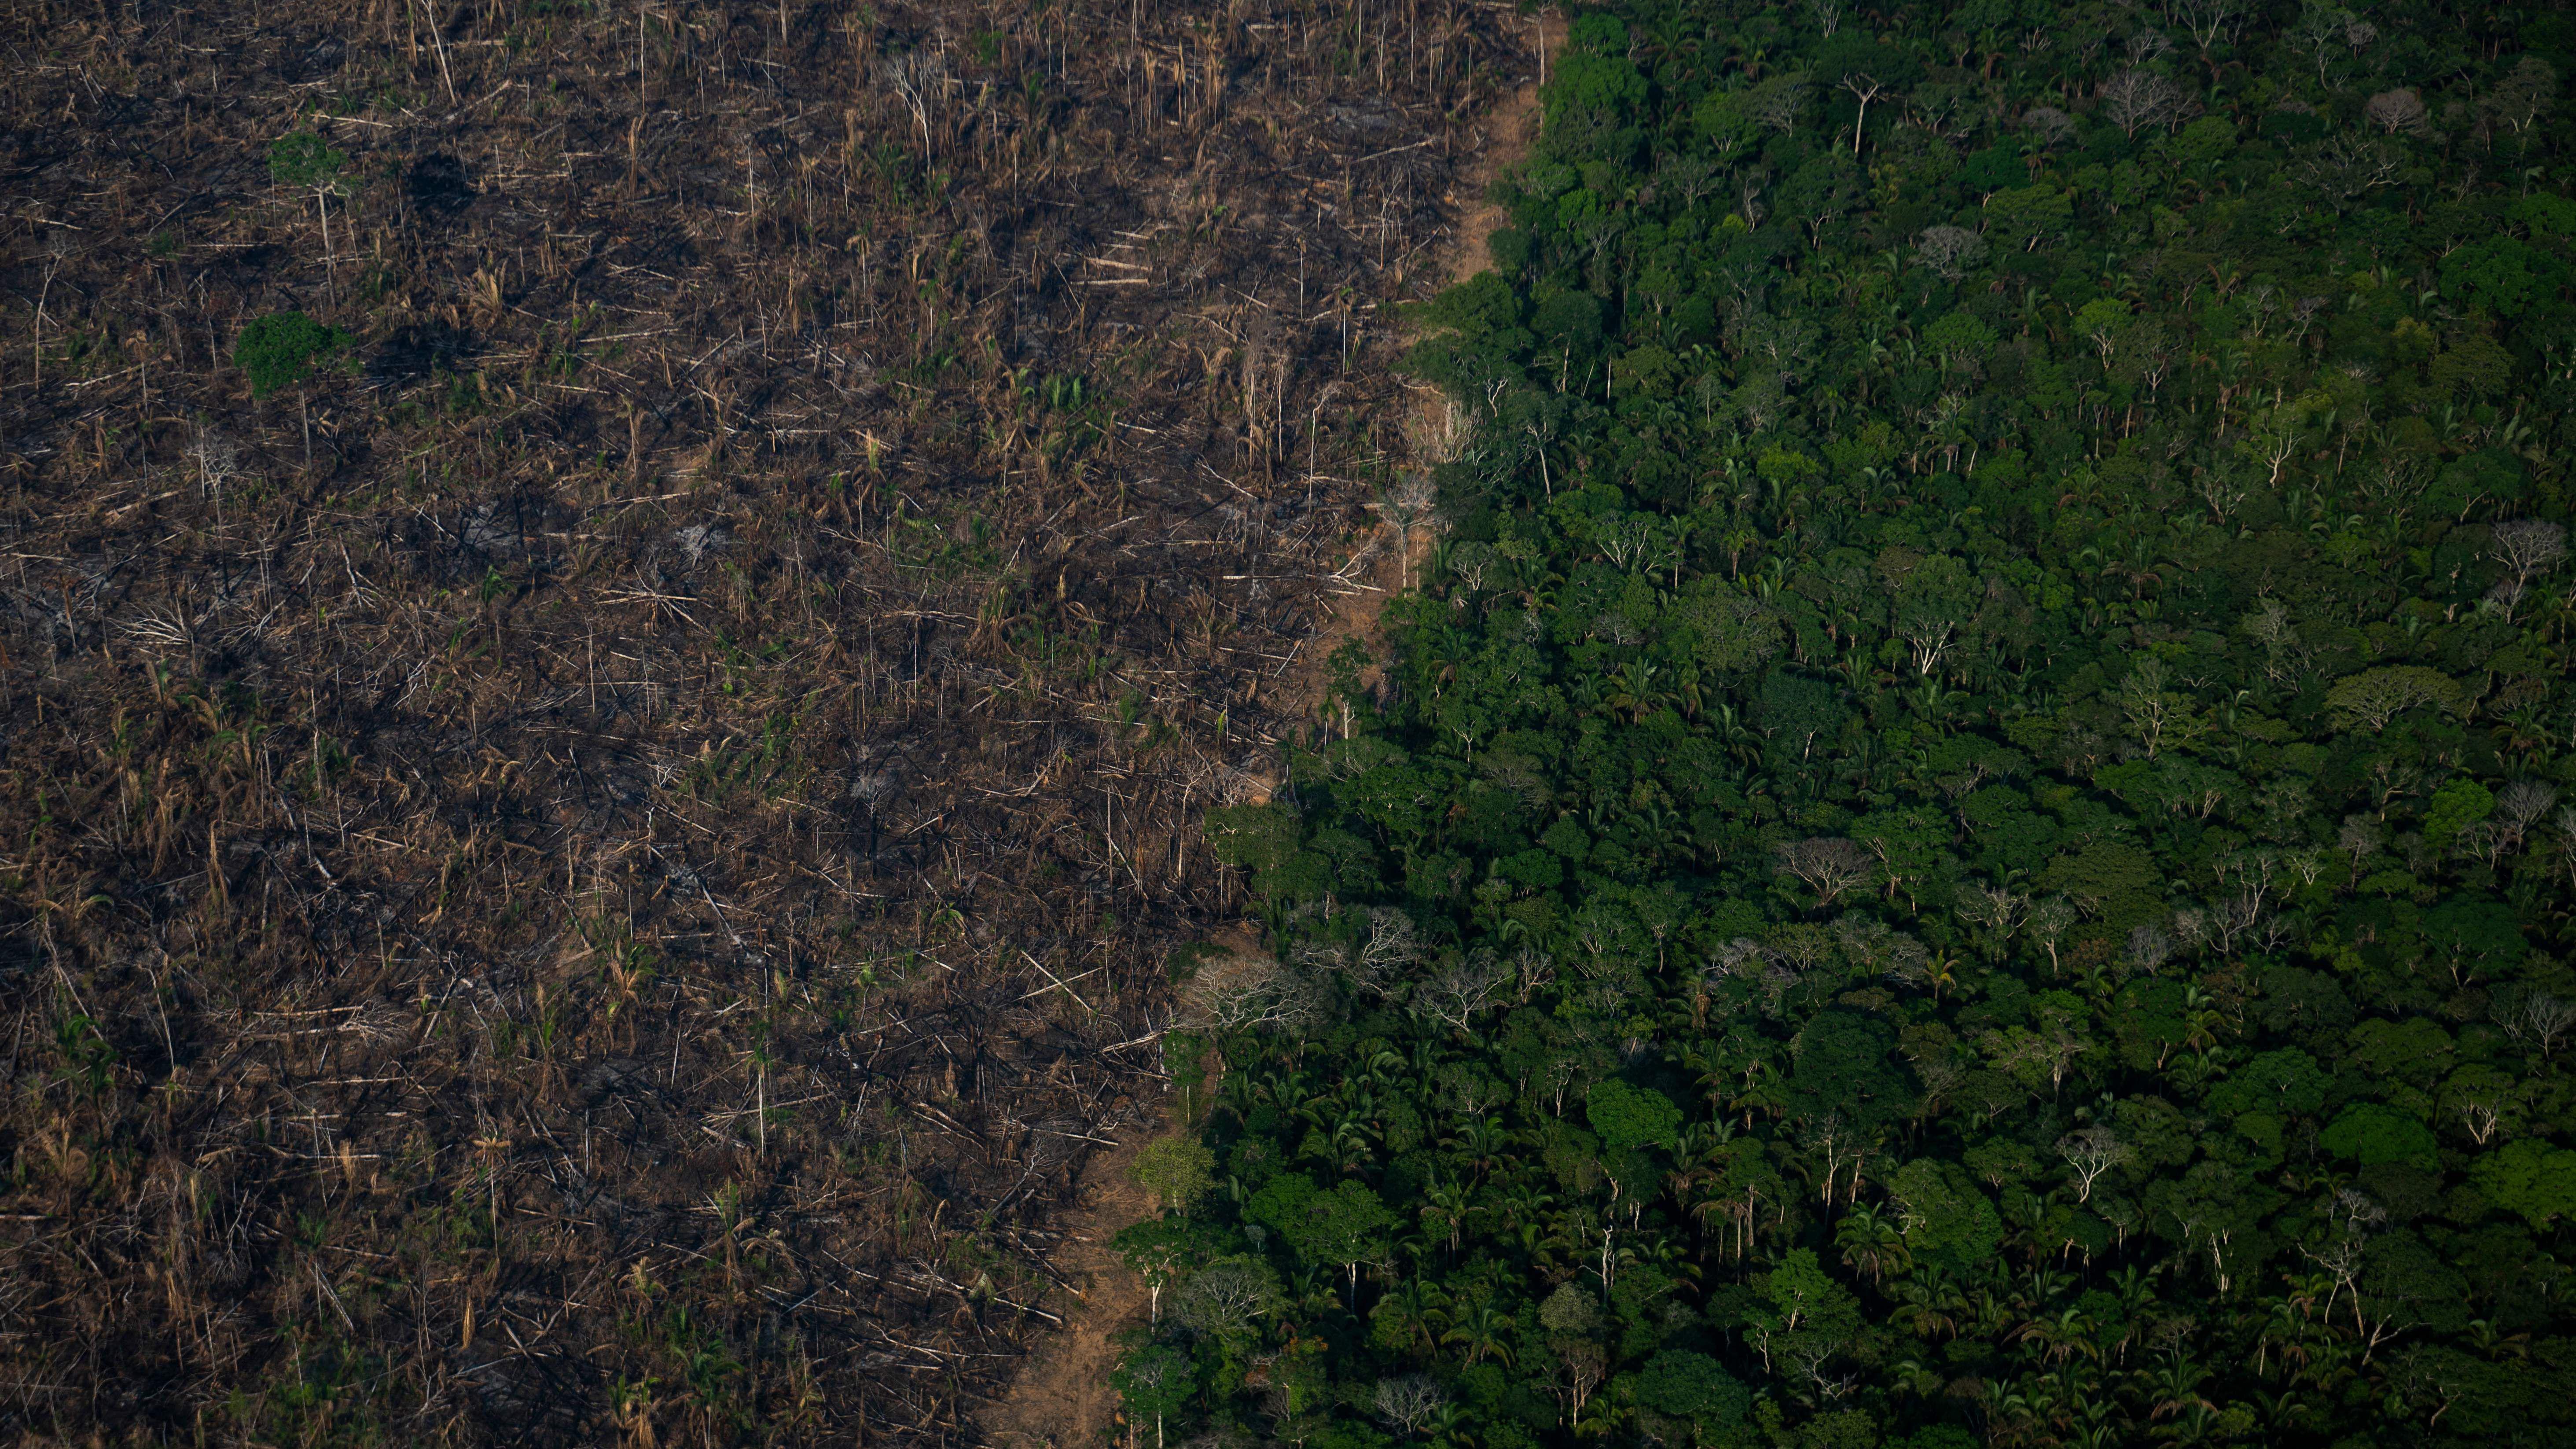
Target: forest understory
<point>615,626</point>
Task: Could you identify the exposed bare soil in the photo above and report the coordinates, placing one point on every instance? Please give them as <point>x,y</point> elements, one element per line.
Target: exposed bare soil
<point>1060,1395</point>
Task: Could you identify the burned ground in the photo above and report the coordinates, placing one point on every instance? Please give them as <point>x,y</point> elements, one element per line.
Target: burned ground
<point>596,866</point>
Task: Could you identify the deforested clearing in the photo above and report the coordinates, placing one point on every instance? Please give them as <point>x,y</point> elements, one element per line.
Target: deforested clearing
<point>615,626</point>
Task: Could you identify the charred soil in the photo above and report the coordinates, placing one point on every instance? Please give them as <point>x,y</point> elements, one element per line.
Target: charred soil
<point>594,865</point>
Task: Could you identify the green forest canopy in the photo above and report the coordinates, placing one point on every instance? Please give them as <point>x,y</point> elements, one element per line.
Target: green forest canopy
<point>1964,841</point>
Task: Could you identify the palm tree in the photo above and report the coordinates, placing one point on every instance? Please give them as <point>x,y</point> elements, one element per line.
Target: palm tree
<point>1445,1206</point>
<point>1483,1330</point>
<point>1524,1204</point>
<point>1930,1303</point>
<point>2068,1333</point>
<point>1483,1141</point>
<point>2175,1389</point>
<point>1872,1243</point>
<point>1420,1311</point>
<point>1354,1142</point>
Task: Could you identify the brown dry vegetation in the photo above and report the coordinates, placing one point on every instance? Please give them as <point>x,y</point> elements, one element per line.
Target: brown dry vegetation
<point>594,873</point>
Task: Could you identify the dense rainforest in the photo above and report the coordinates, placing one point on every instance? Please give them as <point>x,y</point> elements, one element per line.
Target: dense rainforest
<point>1967,835</point>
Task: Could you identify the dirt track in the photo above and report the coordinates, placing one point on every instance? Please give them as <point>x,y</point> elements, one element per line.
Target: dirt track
<point>1061,1397</point>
